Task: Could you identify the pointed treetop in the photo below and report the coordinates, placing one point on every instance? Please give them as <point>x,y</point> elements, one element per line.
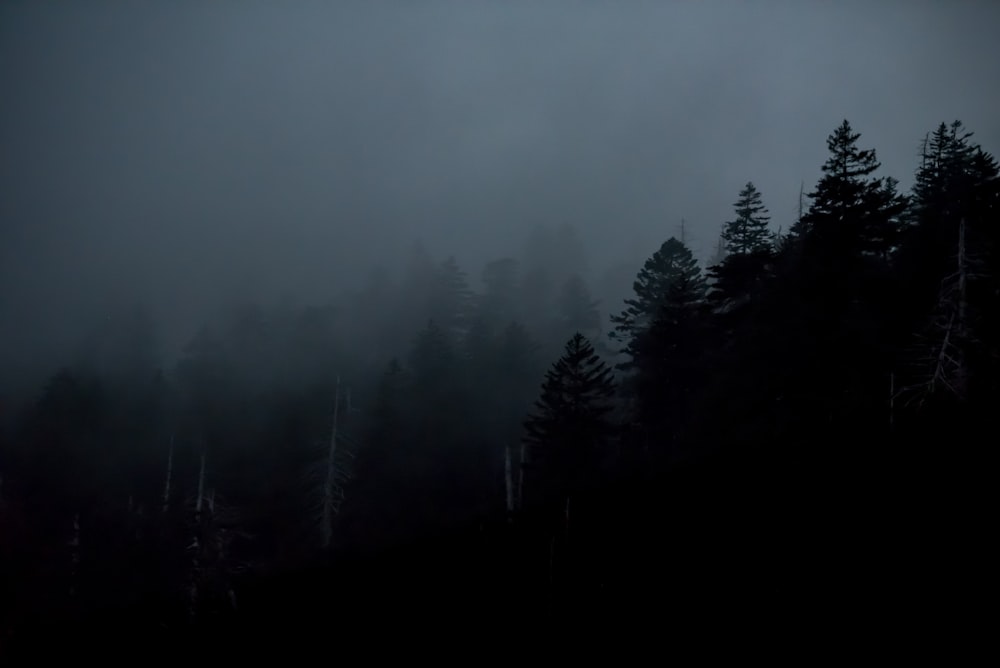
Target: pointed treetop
<point>748,233</point>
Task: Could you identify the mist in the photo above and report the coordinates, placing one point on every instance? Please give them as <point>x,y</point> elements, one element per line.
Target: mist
<point>342,263</point>
<point>187,155</point>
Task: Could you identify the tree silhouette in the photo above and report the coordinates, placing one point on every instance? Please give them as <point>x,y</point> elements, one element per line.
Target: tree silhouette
<point>668,286</point>
<point>568,434</point>
<point>748,249</point>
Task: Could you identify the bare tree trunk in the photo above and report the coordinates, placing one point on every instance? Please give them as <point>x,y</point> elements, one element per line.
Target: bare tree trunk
<point>508,476</point>
<point>802,200</point>
<point>963,276</point>
<point>195,546</point>
<point>201,486</point>
<point>170,474</point>
<point>74,558</point>
<point>520,479</point>
<point>330,484</point>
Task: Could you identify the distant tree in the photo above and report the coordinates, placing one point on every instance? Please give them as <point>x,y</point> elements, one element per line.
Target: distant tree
<point>433,358</point>
<point>551,256</point>
<point>576,309</point>
<point>567,436</point>
<point>498,303</point>
<point>516,377</point>
<point>451,300</point>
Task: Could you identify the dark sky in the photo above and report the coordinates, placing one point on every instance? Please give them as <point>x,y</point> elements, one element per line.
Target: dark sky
<point>185,153</point>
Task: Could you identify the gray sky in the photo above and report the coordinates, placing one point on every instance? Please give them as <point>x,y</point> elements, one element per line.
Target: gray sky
<point>185,153</point>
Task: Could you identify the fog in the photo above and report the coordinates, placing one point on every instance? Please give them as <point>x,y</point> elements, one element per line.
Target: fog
<point>500,316</point>
<point>189,155</point>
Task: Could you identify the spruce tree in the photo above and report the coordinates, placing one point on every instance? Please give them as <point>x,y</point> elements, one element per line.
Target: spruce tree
<point>852,213</point>
<point>748,233</point>
<point>748,249</point>
<point>568,434</point>
<point>948,265</point>
<point>451,299</point>
<point>670,287</point>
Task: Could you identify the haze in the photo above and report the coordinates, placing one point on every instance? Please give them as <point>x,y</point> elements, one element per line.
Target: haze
<point>190,155</point>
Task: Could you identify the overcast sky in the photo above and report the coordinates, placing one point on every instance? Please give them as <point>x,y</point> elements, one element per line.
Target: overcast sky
<point>189,152</point>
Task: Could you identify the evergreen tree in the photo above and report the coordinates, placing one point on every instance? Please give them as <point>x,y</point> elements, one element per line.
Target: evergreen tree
<point>498,304</point>
<point>833,304</point>
<point>852,213</point>
<point>948,266</point>
<point>567,436</point>
<point>451,299</point>
<point>386,463</point>
<point>748,233</point>
<point>669,287</point>
<point>748,249</point>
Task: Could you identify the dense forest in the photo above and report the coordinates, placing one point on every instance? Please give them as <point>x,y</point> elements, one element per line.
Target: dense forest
<point>805,417</point>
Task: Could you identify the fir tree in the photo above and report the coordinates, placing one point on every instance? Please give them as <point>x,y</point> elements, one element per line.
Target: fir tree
<point>669,287</point>
<point>948,265</point>
<point>451,299</point>
<point>852,213</point>
<point>748,248</point>
<point>568,434</point>
<point>748,233</point>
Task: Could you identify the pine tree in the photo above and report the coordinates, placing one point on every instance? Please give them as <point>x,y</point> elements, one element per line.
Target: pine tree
<point>948,264</point>
<point>748,233</point>
<point>669,287</point>
<point>451,299</point>
<point>568,434</point>
<point>748,249</point>
<point>836,292</point>
<point>851,214</point>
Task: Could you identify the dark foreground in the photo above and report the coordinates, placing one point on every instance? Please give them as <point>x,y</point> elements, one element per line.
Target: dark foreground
<point>781,548</point>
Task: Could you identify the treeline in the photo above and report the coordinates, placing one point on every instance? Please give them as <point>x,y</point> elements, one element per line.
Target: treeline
<point>865,333</point>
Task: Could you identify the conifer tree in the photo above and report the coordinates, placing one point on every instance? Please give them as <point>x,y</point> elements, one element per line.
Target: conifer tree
<point>568,434</point>
<point>669,287</point>
<point>451,299</point>
<point>748,246</point>
<point>748,233</point>
<point>948,265</point>
<point>852,214</point>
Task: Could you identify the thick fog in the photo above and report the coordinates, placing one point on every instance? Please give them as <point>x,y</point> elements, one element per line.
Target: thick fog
<point>187,155</point>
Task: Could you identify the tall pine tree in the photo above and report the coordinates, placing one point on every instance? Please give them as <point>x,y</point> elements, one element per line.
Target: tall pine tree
<point>748,249</point>
<point>669,287</point>
<point>568,435</point>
